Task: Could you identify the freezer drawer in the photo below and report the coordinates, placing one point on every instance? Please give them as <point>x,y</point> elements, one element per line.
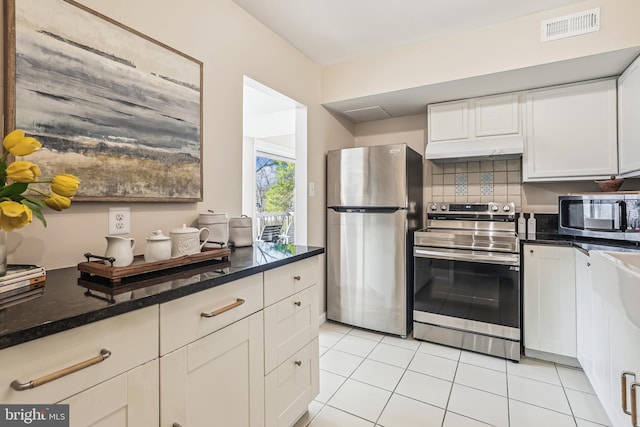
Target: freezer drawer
<point>367,176</point>
<point>367,270</point>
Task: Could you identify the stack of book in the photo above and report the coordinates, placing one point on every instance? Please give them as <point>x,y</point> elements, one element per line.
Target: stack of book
<point>21,283</point>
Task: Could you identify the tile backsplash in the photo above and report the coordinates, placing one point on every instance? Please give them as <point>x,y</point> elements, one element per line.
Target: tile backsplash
<point>482,181</point>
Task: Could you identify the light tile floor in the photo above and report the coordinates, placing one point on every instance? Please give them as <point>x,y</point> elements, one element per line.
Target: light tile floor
<point>369,379</point>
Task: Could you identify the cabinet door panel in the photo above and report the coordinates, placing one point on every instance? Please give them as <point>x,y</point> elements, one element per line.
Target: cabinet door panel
<point>292,386</point>
<point>497,115</point>
<point>628,123</point>
<point>130,399</point>
<point>218,379</point>
<point>289,325</point>
<point>549,299</point>
<point>584,319</point>
<point>571,132</point>
<point>448,121</point>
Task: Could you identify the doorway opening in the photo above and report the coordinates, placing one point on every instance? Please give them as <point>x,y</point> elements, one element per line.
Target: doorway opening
<point>274,190</point>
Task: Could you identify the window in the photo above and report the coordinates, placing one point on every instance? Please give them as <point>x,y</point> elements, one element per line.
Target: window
<point>274,164</point>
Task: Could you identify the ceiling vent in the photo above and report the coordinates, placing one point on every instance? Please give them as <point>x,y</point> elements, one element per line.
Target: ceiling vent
<point>570,25</point>
<point>367,114</point>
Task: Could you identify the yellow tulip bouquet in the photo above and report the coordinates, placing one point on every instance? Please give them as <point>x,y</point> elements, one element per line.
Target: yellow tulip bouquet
<point>16,208</point>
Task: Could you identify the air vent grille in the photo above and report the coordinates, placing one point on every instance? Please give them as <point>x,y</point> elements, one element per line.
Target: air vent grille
<point>571,25</point>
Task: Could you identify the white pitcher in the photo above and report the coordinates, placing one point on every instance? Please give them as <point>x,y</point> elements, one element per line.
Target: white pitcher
<point>120,248</point>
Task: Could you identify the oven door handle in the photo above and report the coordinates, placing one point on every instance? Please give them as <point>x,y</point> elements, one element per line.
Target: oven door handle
<point>484,257</point>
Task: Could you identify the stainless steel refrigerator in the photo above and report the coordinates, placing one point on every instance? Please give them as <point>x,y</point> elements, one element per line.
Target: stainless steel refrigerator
<point>374,204</point>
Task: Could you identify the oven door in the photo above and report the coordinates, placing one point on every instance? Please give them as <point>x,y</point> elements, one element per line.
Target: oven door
<point>466,290</point>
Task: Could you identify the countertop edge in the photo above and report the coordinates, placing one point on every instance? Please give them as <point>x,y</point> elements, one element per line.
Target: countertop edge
<point>42,330</point>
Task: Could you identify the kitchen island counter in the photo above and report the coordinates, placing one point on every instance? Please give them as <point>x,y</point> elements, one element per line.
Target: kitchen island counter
<point>69,301</point>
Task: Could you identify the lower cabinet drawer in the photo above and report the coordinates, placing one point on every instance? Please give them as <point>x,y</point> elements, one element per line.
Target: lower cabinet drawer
<point>186,319</point>
<point>289,325</point>
<point>131,340</point>
<point>283,281</point>
<point>291,387</point>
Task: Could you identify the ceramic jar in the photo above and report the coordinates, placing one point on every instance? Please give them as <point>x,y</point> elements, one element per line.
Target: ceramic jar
<point>188,240</point>
<point>158,247</point>
<point>241,231</point>
<point>218,223</point>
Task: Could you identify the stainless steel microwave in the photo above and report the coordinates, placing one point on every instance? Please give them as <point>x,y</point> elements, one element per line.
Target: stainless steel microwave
<point>600,215</point>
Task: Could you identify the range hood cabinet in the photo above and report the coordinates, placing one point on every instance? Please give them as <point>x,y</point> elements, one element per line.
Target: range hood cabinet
<point>475,149</point>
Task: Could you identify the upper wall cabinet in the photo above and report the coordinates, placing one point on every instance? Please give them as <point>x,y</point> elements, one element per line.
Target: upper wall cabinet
<point>628,123</point>
<point>477,127</point>
<point>571,132</point>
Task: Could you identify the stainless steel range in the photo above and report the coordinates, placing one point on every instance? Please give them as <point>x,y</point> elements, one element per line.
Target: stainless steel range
<point>467,278</point>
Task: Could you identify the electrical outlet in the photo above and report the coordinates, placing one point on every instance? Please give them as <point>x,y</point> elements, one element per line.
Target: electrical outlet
<point>119,221</point>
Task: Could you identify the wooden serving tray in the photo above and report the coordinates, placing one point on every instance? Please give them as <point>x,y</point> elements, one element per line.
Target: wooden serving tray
<point>139,267</point>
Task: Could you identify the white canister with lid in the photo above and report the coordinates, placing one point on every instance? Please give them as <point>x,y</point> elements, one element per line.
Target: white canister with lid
<point>241,231</point>
<point>158,247</point>
<point>218,224</point>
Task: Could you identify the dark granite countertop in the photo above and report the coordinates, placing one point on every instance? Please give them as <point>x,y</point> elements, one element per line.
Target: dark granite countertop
<point>70,301</point>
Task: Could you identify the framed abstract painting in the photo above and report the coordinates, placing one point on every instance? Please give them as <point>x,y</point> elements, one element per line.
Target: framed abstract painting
<point>121,111</point>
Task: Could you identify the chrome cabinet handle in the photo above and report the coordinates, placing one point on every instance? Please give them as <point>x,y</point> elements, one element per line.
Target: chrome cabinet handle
<point>634,412</point>
<point>299,363</point>
<point>18,386</point>
<point>219,311</point>
<point>297,303</point>
<point>296,277</point>
<point>623,389</point>
<point>176,425</point>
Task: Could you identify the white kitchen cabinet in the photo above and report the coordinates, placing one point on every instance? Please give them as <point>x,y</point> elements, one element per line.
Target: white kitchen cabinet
<point>216,380</point>
<point>485,117</point>
<point>571,132</point>
<point>584,320</point>
<point>549,302</point>
<point>448,121</point>
<point>130,399</point>
<point>291,341</point>
<point>497,115</point>
<point>616,335</point>
<point>628,123</point>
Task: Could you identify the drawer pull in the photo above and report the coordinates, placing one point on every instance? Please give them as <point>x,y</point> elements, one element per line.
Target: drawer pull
<point>238,302</point>
<point>296,278</point>
<point>634,412</point>
<point>176,425</point>
<point>623,389</point>
<point>297,303</point>
<point>18,386</point>
<point>299,363</point>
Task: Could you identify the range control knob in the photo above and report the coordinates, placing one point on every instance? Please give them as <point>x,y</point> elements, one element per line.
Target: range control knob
<point>506,208</point>
<point>443,207</point>
<point>433,207</point>
<point>494,208</point>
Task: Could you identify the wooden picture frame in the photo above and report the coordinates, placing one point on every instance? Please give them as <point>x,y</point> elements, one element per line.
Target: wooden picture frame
<point>116,108</point>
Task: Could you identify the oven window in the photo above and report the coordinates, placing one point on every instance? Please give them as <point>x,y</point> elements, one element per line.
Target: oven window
<point>486,293</point>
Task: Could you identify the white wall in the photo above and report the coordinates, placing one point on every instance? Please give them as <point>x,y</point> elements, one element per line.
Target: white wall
<point>503,47</point>
<point>231,44</point>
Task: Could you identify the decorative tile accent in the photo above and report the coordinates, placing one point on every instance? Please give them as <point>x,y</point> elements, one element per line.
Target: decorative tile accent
<point>486,183</point>
<point>461,184</point>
